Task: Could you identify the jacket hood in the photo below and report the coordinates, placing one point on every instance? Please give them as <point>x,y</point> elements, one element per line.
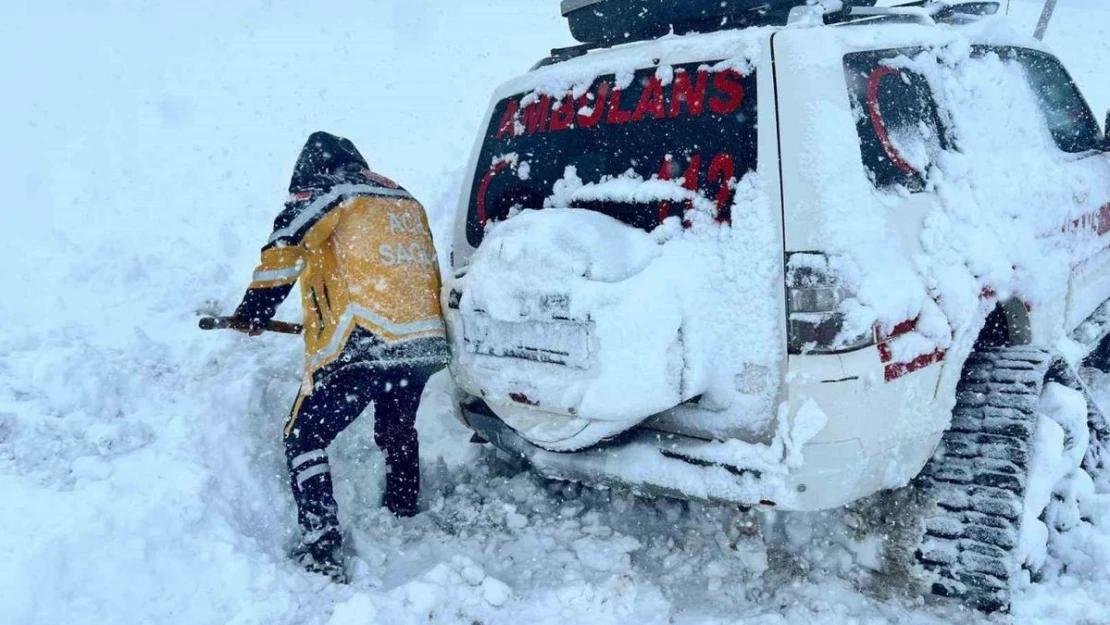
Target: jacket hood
<point>324,160</point>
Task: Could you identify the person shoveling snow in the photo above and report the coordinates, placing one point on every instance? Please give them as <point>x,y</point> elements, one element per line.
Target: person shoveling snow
<point>361,247</point>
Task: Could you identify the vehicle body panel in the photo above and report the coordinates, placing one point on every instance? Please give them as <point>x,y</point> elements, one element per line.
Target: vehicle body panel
<point>883,407</point>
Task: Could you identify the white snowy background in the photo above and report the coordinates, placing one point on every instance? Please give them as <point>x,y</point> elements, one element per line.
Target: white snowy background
<point>145,149</point>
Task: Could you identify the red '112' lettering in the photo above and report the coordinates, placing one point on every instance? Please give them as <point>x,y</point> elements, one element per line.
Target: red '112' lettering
<point>722,171</point>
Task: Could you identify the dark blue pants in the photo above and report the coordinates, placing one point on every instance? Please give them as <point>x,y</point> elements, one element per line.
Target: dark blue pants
<point>334,404</point>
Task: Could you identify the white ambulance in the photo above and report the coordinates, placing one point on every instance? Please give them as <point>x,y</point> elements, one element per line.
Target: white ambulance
<point>791,257</point>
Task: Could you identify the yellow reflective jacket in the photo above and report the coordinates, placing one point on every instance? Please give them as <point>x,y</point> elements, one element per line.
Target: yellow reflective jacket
<point>363,253</point>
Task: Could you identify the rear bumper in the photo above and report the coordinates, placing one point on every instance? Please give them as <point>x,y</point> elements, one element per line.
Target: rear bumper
<point>556,368</point>
<point>656,464</point>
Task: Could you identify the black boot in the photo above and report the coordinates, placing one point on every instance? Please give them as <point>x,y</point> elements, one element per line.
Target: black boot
<point>321,557</point>
<point>402,465</point>
<point>402,489</point>
<point>395,434</point>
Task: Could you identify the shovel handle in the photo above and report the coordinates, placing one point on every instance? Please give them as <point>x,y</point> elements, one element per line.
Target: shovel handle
<point>233,323</point>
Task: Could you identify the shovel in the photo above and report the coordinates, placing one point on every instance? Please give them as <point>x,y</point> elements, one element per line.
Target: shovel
<point>232,323</point>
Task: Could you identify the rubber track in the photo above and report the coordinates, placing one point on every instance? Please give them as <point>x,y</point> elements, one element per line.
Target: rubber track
<point>976,481</point>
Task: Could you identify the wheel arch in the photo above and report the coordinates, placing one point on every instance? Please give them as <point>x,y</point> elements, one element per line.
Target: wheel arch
<point>1008,324</point>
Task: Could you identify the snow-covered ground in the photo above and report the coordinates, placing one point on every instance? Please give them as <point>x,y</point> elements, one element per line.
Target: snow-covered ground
<point>145,151</point>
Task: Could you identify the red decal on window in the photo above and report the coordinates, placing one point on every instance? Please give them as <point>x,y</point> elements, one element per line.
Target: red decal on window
<point>562,115</point>
<point>690,181</point>
<point>651,101</point>
<point>728,83</point>
<point>722,169</point>
<point>597,107</point>
<point>690,176</point>
<point>665,174</point>
<point>616,115</point>
<point>508,120</point>
<point>692,96</point>
<point>875,113</point>
<point>483,188</point>
<point>535,115</point>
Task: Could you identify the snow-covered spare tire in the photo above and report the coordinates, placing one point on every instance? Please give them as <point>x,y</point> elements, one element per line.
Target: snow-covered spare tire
<point>1007,478</point>
<point>628,323</point>
<point>581,271</point>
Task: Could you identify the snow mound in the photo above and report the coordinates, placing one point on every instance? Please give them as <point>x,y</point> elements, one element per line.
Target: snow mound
<point>554,248</point>
<point>696,309</point>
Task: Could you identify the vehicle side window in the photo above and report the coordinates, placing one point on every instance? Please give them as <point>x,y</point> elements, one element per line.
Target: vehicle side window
<point>899,124</point>
<point>1070,121</point>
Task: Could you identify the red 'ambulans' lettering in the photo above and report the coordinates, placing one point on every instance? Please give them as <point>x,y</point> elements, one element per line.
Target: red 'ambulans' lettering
<point>723,171</point>
<point>728,83</point>
<point>692,96</point>
<point>593,110</point>
<point>508,120</point>
<point>562,115</point>
<point>686,95</point>
<point>535,115</point>
<point>616,115</point>
<point>651,101</point>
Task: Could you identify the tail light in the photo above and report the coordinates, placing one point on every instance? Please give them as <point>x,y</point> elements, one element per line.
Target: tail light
<point>814,316</point>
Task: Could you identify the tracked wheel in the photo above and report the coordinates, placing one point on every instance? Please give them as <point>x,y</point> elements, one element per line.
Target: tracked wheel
<point>990,505</point>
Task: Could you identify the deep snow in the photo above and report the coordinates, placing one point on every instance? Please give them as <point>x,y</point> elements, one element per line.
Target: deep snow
<point>146,150</point>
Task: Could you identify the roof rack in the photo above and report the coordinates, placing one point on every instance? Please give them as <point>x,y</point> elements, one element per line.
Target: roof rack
<point>922,11</point>
<point>609,22</point>
<point>742,13</point>
<point>558,55</point>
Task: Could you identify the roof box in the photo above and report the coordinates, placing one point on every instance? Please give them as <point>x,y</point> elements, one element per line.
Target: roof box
<point>614,21</point>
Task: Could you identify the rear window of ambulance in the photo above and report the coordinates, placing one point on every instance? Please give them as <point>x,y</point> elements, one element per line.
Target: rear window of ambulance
<point>697,128</point>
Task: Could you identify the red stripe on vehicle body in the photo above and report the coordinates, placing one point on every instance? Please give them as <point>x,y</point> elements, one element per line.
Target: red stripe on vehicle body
<point>1103,225</point>
<point>1098,221</point>
<point>885,354</point>
<point>896,370</point>
<point>904,328</point>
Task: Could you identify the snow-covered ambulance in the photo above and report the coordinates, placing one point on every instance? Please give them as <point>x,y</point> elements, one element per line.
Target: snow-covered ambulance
<point>793,256</point>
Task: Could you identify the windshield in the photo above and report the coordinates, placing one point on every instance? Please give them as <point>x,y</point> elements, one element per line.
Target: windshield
<point>691,124</point>
<point>1069,119</point>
